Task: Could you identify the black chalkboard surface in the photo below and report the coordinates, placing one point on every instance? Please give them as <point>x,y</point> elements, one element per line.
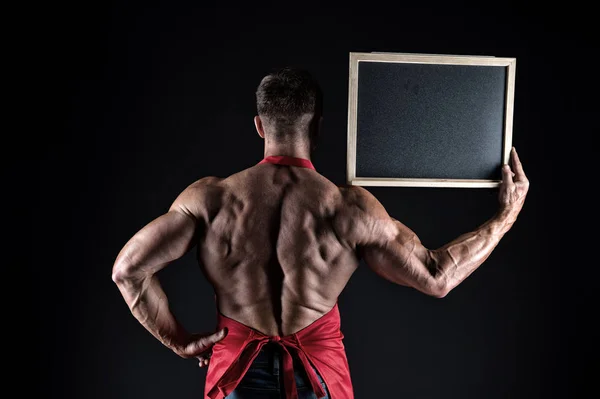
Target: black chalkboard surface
<point>429,120</point>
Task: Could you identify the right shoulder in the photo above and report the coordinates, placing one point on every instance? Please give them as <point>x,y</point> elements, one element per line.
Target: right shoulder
<point>360,199</point>
<point>362,219</point>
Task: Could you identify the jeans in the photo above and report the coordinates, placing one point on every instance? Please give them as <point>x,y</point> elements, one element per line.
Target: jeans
<point>264,378</point>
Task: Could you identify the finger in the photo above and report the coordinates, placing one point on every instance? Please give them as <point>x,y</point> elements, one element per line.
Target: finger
<point>203,361</point>
<point>517,166</point>
<point>209,340</point>
<point>507,174</point>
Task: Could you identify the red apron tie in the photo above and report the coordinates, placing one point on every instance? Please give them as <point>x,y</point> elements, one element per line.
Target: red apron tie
<point>318,345</point>
<point>234,374</point>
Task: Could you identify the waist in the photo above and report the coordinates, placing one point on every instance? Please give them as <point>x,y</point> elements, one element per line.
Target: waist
<point>327,326</point>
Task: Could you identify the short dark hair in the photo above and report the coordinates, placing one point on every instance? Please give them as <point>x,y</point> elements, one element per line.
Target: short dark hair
<point>286,95</point>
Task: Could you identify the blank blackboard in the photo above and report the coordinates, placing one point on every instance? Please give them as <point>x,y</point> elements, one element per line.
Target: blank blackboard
<point>429,120</point>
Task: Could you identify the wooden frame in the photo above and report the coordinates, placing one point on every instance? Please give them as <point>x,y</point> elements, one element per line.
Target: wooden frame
<point>357,57</point>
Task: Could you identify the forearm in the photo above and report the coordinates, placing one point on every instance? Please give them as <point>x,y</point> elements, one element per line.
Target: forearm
<point>151,249</point>
<point>148,303</point>
<point>455,261</point>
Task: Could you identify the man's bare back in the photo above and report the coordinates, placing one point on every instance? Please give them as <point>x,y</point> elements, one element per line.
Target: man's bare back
<point>274,247</point>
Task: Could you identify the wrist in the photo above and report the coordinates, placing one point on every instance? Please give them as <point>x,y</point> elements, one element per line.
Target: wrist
<point>180,343</point>
<point>505,218</point>
<point>508,212</point>
<point>180,350</point>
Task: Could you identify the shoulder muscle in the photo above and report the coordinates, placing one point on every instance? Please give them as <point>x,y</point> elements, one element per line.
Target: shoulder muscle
<point>201,199</point>
<point>363,220</point>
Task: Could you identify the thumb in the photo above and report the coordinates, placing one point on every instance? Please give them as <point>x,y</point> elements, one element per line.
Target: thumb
<point>222,333</point>
<point>209,340</point>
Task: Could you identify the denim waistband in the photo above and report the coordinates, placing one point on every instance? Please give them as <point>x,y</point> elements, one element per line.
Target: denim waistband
<point>271,357</point>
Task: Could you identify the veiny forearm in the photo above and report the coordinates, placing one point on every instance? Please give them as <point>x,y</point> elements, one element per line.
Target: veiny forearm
<point>148,303</point>
<point>455,261</point>
<point>155,246</point>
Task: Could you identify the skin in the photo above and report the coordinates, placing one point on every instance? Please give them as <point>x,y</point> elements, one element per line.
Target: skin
<point>279,244</point>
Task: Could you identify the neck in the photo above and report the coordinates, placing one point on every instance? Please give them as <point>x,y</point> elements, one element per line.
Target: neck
<point>291,149</point>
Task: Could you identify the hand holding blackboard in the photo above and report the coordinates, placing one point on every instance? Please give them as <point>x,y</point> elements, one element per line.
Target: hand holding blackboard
<point>514,186</point>
<point>395,252</point>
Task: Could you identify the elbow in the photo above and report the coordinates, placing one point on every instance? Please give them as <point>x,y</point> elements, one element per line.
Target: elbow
<point>119,274</point>
<point>436,284</point>
<point>122,273</point>
<point>438,287</point>
<point>125,267</point>
<point>433,288</point>
<point>439,292</point>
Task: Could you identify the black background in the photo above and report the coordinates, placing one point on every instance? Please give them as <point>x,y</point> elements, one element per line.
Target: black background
<point>149,97</point>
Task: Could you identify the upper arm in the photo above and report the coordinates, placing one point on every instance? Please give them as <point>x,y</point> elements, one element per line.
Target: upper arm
<point>171,235</point>
<point>387,246</point>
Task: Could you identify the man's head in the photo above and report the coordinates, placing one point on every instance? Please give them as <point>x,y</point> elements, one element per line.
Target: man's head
<point>289,104</point>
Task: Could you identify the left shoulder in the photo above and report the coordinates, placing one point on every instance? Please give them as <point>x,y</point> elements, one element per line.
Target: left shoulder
<point>205,183</point>
<point>201,199</point>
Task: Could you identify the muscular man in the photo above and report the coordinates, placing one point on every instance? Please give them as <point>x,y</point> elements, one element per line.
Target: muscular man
<point>278,242</point>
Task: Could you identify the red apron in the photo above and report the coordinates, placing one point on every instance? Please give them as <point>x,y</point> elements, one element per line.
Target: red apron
<point>319,344</point>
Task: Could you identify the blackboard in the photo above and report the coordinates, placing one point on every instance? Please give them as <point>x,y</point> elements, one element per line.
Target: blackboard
<point>429,120</point>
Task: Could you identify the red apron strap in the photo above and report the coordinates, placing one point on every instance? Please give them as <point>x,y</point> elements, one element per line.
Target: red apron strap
<point>285,160</point>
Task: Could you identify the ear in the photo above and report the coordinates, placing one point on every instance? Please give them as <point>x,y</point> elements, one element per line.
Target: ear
<point>259,126</point>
